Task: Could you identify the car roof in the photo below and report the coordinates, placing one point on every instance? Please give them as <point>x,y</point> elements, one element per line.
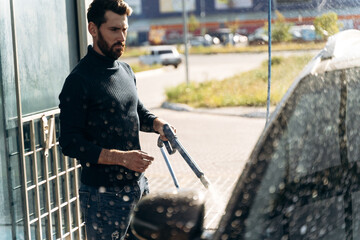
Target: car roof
<point>341,51</point>
<point>161,47</point>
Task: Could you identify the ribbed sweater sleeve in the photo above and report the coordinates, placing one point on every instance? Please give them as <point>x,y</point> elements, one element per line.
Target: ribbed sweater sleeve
<point>73,105</point>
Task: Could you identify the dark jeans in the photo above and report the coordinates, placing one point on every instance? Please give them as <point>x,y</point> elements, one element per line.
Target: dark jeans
<point>106,211</point>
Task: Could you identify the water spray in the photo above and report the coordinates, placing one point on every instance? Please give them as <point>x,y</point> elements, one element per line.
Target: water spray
<point>174,144</point>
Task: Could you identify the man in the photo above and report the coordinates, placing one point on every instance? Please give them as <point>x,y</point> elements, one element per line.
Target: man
<point>100,120</point>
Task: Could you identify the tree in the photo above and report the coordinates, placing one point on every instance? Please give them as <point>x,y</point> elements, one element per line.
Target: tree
<point>326,24</point>
<point>280,29</point>
<point>233,26</point>
<point>193,23</point>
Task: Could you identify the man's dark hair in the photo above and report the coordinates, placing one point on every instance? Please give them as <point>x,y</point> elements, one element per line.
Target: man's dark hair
<point>97,9</point>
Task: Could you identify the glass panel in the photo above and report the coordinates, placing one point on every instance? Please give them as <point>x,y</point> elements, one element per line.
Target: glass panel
<point>73,215</point>
<point>52,45</point>
<point>43,204</point>
<point>29,171</point>
<point>32,204</point>
<point>287,184</point>
<point>62,183</point>
<point>55,220</point>
<point>53,194</point>
<point>40,164</point>
<point>72,188</point>
<point>65,222</point>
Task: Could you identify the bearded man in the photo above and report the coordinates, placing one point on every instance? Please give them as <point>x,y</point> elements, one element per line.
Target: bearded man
<point>100,119</point>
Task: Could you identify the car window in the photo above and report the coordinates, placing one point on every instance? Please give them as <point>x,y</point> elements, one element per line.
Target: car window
<point>295,186</point>
<point>165,51</point>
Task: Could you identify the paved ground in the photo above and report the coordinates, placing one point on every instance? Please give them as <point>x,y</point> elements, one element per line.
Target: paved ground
<point>220,142</point>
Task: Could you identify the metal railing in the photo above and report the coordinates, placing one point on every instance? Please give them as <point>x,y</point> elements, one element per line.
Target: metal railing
<point>50,182</point>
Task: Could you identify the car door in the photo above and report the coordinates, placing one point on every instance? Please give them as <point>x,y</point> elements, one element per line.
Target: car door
<point>302,180</point>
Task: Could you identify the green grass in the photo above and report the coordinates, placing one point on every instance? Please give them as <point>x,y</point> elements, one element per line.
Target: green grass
<point>138,51</point>
<point>292,46</point>
<point>245,89</point>
<point>138,67</point>
<point>134,51</point>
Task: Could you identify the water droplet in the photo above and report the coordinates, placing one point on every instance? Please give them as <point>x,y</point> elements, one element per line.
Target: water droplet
<point>314,194</point>
<point>95,226</point>
<point>238,213</point>
<point>303,230</point>
<point>160,209</point>
<point>154,235</point>
<point>102,189</point>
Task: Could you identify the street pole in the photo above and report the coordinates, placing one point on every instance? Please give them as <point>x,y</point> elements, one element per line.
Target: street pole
<point>269,65</point>
<point>185,40</point>
<point>202,16</point>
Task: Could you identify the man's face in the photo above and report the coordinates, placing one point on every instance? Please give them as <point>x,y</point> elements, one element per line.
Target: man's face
<point>111,36</point>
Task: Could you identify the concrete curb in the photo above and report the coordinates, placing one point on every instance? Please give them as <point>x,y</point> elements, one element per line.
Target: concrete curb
<point>249,112</point>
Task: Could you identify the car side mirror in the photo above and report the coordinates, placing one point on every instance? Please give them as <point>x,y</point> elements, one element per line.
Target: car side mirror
<point>169,216</point>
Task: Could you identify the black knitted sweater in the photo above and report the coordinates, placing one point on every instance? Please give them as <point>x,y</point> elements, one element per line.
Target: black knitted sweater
<point>100,108</point>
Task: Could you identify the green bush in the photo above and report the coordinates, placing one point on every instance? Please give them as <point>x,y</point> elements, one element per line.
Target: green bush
<point>280,29</point>
<point>326,25</point>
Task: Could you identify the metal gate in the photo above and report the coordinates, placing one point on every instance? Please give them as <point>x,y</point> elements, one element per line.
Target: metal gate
<point>47,180</point>
<point>50,182</point>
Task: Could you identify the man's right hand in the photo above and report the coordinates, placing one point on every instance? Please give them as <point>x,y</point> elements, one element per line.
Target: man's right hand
<point>135,160</point>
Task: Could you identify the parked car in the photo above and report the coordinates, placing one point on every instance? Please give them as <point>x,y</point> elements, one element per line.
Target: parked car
<point>258,37</point>
<point>239,39</point>
<point>304,33</point>
<point>165,55</point>
<point>205,41</point>
<point>302,180</point>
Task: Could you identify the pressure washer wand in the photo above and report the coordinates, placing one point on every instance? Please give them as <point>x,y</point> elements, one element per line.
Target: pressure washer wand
<point>176,145</point>
<point>160,144</point>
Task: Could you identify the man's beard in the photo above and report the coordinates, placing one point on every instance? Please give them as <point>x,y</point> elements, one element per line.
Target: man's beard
<point>110,52</point>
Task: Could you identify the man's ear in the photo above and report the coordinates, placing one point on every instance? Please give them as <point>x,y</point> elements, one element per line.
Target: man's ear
<point>92,28</point>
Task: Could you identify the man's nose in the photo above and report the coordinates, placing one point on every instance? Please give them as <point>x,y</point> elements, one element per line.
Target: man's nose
<point>122,36</point>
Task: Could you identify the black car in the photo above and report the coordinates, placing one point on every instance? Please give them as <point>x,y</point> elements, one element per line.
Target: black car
<point>302,180</point>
